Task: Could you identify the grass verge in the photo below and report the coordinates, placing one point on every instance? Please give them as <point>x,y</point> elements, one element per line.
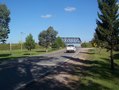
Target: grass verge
<point>10,55</point>
<point>96,73</point>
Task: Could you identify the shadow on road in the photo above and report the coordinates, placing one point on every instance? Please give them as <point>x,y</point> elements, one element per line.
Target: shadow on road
<point>87,52</point>
<point>64,76</point>
<point>16,73</point>
<point>87,68</point>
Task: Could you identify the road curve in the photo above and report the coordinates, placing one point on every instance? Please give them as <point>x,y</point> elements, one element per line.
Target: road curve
<point>17,73</point>
<point>59,56</point>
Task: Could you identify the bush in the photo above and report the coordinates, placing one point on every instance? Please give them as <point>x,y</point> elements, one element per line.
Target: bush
<point>58,43</point>
<point>86,45</point>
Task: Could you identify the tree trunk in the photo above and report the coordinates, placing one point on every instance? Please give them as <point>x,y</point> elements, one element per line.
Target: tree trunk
<point>112,59</point>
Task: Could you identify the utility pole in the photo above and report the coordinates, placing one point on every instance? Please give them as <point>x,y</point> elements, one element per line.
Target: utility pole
<point>21,41</point>
<point>10,46</point>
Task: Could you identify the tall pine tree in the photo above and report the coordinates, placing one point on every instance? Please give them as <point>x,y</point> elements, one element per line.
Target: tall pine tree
<point>4,22</point>
<point>108,25</point>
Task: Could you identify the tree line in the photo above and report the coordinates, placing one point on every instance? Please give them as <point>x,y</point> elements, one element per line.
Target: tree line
<point>47,38</point>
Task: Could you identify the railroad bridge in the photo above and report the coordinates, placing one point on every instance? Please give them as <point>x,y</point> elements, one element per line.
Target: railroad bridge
<point>71,40</point>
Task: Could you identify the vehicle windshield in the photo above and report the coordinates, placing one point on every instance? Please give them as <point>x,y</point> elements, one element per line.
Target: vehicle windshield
<point>70,45</point>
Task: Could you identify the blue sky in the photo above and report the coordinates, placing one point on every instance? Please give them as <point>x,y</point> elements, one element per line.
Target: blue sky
<point>71,18</point>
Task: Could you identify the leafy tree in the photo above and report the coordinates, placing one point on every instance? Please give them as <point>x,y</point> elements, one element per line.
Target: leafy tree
<point>108,25</point>
<point>30,43</point>
<point>84,45</point>
<point>47,37</point>
<point>4,23</point>
<point>58,43</point>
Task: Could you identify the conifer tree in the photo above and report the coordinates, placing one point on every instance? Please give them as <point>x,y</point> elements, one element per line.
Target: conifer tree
<point>108,25</point>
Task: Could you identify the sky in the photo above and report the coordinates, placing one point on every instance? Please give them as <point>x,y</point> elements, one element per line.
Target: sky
<point>70,18</point>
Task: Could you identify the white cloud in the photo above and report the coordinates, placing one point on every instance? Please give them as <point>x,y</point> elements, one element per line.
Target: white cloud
<point>46,16</point>
<point>70,9</point>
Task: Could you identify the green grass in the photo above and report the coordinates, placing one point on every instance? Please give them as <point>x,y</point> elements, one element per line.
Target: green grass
<point>9,55</point>
<point>97,74</point>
